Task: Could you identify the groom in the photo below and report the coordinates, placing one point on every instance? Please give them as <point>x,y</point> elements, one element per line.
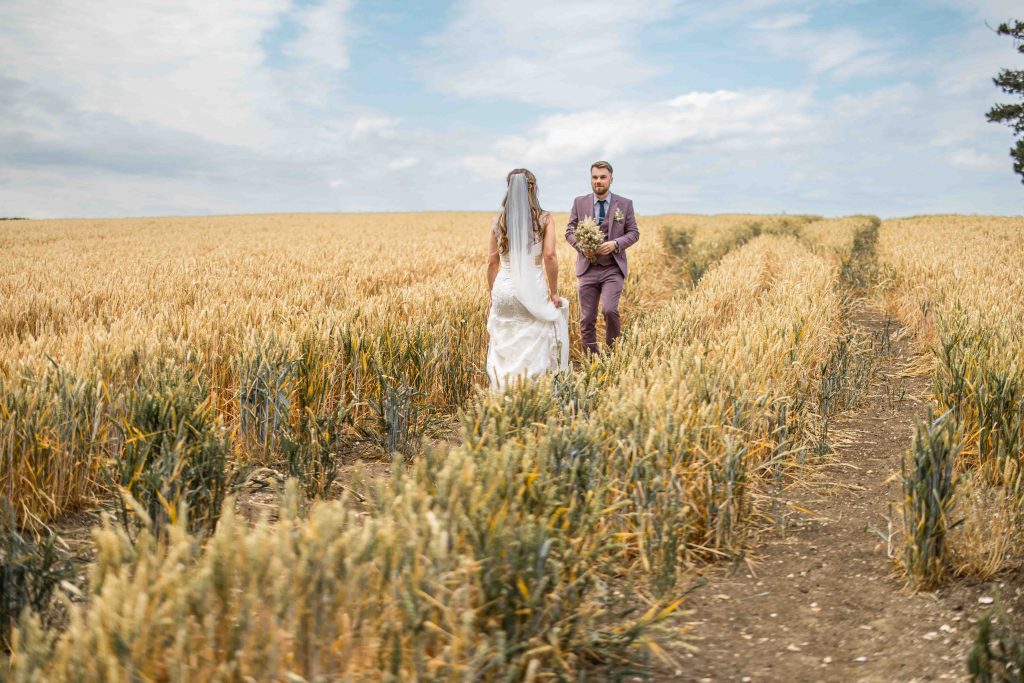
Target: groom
<point>602,281</point>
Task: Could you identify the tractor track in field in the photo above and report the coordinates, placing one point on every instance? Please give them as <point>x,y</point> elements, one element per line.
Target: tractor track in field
<point>820,598</point>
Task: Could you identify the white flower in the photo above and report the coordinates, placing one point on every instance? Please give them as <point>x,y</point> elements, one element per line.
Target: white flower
<point>619,215</point>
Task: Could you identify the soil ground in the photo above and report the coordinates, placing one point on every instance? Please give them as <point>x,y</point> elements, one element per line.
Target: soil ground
<point>820,598</point>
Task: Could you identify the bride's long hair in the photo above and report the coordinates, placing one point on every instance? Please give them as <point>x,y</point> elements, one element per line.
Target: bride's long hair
<point>535,210</point>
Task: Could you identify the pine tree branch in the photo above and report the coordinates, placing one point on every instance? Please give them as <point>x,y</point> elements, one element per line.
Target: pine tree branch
<point>1012,82</point>
<point>1010,114</point>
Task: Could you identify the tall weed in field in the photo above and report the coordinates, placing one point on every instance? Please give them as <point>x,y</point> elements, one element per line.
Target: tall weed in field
<point>974,382</point>
<point>319,432</point>
<point>53,433</point>
<point>32,569</point>
<point>264,400</point>
<point>845,377</point>
<point>928,499</point>
<point>172,454</point>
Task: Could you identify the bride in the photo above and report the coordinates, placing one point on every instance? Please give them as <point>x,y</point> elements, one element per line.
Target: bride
<point>528,322</point>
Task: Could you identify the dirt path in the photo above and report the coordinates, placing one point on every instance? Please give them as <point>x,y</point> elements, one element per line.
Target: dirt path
<point>821,600</point>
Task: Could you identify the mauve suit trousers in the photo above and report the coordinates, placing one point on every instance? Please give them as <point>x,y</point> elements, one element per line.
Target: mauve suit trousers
<point>600,283</point>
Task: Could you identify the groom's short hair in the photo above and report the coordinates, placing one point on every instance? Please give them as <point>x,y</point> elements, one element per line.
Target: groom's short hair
<point>602,164</point>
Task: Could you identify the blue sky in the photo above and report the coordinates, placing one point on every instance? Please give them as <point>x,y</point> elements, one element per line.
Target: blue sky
<point>127,108</point>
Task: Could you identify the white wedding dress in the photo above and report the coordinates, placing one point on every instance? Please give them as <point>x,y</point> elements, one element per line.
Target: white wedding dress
<point>525,341</point>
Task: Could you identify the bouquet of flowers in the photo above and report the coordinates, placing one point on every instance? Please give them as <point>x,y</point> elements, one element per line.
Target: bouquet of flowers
<point>589,236</point>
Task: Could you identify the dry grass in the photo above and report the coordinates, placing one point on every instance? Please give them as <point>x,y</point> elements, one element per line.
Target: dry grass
<point>989,534</point>
<point>492,559</point>
<point>103,300</point>
<point>955,282</point>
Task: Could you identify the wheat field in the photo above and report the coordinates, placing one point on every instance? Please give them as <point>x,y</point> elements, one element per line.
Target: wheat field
<point>148,366</point>
<point>956,283</point>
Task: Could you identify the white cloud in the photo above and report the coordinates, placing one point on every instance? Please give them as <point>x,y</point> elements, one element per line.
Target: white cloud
<point>543,52</point>
<point>228,104</point>
<point>756,118</point>
<point>403,163</point>
<point>192,66</point>
<point>89,192</point>
<point>781,22</point>
<point>315,53</point>
<point>961,91</point>
<point>149,108</point>
<point>704,13</point>
<point>841,53</point>
<point>486,166</point>
<point>971,63</point>
<point>323,34</point>
<point>886,101</point>
<point>972,158</point>
<point>995,11</point>
<point>385,127</point>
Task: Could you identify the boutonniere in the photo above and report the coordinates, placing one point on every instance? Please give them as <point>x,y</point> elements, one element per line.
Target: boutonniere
<point>619,215</point>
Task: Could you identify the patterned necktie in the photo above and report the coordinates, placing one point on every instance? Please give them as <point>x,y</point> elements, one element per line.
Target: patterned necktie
<point>601,202</point>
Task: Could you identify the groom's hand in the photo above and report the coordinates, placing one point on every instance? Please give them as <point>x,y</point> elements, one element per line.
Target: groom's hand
<point>589,253</point>
<point>606,248</point>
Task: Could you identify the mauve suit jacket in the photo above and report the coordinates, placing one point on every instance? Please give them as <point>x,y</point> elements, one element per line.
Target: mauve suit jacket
<point>622,231</point>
